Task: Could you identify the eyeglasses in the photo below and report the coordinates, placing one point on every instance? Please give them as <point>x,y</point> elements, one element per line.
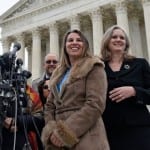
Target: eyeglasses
<point>51,61</point>
<point>45,87</point>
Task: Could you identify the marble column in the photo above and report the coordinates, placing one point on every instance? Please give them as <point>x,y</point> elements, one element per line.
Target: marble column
<point>87,31</point>
<point>36,53</point>
<point>146,9</point>
<point>21,52</point>
<point>136,42</point>
<point>29,56</point>
<point>54,38</point>
<point>5,45</point>
<point>75,22</point>
<point>47,46</point>
<point>97,24</point>
<point>29,53</point>
<point>122,16</point>
<point>144,42</point>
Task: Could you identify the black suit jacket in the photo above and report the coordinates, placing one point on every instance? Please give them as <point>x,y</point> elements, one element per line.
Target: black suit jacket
<point>133,110</point>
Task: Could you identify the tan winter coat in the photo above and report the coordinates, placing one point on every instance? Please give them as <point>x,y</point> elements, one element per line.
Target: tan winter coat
<point>75,113</point>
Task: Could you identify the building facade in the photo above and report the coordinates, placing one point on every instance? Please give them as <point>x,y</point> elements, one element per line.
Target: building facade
<point>39,25</point>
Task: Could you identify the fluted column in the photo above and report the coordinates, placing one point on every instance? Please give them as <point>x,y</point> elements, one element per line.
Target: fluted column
<point>21,52</point>
<point>29,56</point>
<point>146,9</point>
<point>87,30</point>
<point>47,45</point>
<point>5,45</point>
<point>97,24</point>
<point>122,16</point>
<point>136,42</point>
<point>54,38</point>
<point>143,40</point>
<point>29,61</point>
<point>36,53</point>
<point>75,22</point>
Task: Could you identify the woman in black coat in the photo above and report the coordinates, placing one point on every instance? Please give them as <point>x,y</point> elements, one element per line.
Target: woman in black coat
<point>126,117</point>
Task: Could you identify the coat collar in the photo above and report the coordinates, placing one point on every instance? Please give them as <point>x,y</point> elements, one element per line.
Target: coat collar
<point>127,66</point>
<point>78,71</point>
<point>83,67</point>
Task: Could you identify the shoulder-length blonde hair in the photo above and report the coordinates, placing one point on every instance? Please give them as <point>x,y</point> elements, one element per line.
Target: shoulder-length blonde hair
<point>64,59</point>
<point>105,52</point>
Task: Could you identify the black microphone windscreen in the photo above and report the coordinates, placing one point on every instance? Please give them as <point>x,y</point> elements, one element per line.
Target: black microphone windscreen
<point>5,61</point>
<point>17,46</point>
<point>27,74</point>
<point>19,62</point>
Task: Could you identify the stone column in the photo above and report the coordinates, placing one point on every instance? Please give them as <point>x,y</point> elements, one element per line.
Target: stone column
<point>122,16</point>
<point>144,42</point>
<point>21,52</point>
<point>29,56</point>
<point>47,46</point>
<point>136,42</point>
<point>5,45</point>
<point>97,24</point>
<point>75,22</point>
<point>54,38</point>
<point>146,9</point>
<point>36,53</point>
<point>87,31</point>
<point>29,52</point>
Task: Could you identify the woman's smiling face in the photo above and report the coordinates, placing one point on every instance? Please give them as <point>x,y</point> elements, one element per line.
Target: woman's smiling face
<point>74,45</point>
<point>117,42</point>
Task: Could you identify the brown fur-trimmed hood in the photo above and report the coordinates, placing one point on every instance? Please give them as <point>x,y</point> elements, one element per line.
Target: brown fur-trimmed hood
<point>80,70</point>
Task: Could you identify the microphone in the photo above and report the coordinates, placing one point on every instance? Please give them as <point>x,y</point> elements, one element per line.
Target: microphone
<point>26,74</point>
<point>16,48</point>
<point>19,63</point>
<point>4,61</point>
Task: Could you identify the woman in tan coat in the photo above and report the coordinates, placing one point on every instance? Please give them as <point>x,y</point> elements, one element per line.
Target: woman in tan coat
<point>73,112</point>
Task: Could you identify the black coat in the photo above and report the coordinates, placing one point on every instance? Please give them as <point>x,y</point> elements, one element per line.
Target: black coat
<point>132,112</point>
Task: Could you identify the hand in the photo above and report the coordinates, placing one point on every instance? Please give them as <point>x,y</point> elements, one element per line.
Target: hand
<point>7,122</point>
<point>13,129</point>
<point>56,140</point>
<point>121,93</point>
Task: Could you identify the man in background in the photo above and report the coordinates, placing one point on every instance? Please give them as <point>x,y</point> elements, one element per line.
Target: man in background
<point>50,63</point>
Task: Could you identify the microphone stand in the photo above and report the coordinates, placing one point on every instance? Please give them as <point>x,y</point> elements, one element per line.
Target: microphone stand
<point>1,114</point>
<point>21,89</point>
